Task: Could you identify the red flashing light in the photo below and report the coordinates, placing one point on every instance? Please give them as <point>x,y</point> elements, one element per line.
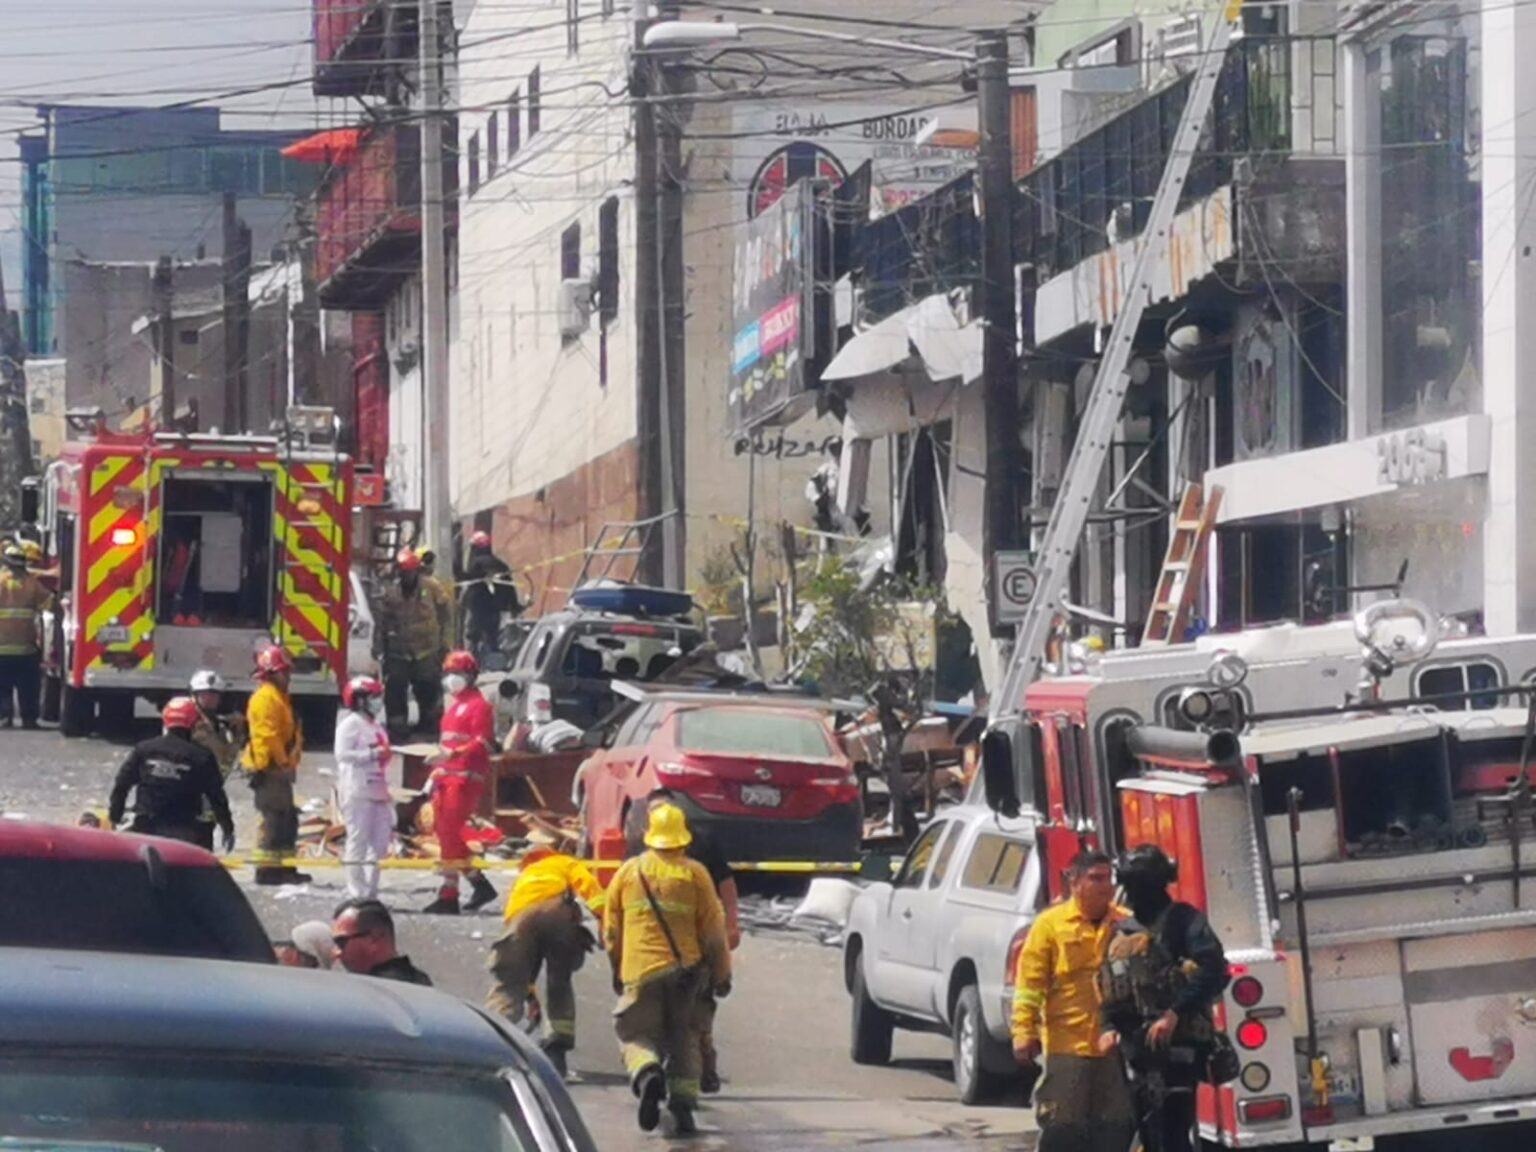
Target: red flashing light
<point>1247,991</point>
<point>1265,1111</point>
<point>1252,1034</point>
<point>1235,970</point>
<point>124,537</point>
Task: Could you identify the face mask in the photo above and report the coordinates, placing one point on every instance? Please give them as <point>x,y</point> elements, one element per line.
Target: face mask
<point>374,707</point>
<point>454,684</point>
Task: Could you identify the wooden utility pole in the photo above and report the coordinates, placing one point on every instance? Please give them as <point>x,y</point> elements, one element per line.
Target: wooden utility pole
<point>236,319</point>
<point>165,326</point>
<point>15,426</point>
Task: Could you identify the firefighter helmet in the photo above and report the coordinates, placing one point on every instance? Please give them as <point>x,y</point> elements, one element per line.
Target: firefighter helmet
<point>181,712</point>
<point>32,550</point>
<point>273,660</point>
<point>207,680</point>
<point>1146,865</point>
<point>668,828</point>
<point>480,540</point>
<point>408,560</point>
<point>13,555</point>
<point>463,663</point>
<point>358,689</point>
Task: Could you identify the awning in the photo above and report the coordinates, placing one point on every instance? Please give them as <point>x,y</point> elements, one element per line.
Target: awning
<point>333,146</point>
<point>928,330</point>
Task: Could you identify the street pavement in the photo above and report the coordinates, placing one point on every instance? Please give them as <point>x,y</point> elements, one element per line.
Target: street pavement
<point>783,1034</point>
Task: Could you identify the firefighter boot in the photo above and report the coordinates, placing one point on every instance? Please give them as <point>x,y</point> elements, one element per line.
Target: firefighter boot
<point>446,904</point>
<point>556,1055</point>
<point>481,892</point>
<point>683,1123</point>
<point>651,1087</point>
<point>271,877</point>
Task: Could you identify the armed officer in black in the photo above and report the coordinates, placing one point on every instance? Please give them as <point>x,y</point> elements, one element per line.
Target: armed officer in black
<point>1164,971</point>
<point>170,776</point>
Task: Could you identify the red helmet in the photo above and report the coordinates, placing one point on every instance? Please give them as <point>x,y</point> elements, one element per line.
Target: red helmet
<point>272,660</point>
<point>480,540</point>
<point>358,689</point>
<point>464,663</point>
<point>408,560</point>
<point>181,712</point>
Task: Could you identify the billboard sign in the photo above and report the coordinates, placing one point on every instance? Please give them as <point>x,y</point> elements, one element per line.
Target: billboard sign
<point>773,310</point>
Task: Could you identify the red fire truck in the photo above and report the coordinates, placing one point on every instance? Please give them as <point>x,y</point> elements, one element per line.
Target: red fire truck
<point>1369,865</point>
<point>177,552</point>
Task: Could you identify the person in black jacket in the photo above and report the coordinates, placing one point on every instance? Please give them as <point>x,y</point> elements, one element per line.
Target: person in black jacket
<point>170,777</point>
<point>363,936</point>
<point>1165,969</point>
<point>488,592</point>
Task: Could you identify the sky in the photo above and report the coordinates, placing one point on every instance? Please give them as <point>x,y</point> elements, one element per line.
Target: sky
<point>150,52</point>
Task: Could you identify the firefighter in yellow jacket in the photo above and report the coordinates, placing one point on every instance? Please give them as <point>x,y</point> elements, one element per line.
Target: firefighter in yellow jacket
<point>272,762</point>
<point>664,930</point>
<point>551,913</point>
<point>22,600</point>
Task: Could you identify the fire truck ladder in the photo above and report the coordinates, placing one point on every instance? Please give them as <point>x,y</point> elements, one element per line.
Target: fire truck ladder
<point>1069,513</point>
<point>1178,587</point>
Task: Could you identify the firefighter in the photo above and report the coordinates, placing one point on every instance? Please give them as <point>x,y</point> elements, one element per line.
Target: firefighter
<point>171,778</point>
<point>271,760</point>
<point>664,931</point>
<point>547,926</point>
<point>413,636</point>
<point>222,733</point>
<point>22,600</point>
<point>460,773</point>
<point>1164,971</point>
<point>704,851</point>
<point>362,767</point>
<point>489,592</point>
<point>1082,1104</point>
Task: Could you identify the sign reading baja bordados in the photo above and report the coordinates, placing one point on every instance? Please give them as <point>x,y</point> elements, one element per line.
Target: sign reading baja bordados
<point>773,309</point>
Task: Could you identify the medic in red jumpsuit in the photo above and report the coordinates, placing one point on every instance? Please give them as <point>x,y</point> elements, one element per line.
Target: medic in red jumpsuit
<point>458,780</point>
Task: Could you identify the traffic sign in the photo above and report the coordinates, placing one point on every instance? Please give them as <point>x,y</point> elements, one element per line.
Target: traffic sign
<point>1014,581</point>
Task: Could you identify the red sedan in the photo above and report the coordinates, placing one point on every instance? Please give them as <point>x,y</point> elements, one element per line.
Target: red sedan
<point>762,781</point>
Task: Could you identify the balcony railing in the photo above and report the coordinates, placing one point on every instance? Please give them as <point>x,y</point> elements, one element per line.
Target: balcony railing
<point>1065,206</point>
<point>368,221</point>
<point>353,41</point>
<point>930,245</point>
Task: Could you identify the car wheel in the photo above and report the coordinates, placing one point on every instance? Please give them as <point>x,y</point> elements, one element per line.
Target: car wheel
<point>77,712</point>
<point>873,1028</point>
<point>970,1039</point>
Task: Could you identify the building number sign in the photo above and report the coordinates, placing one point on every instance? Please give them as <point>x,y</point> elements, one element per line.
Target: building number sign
<point>1411,457</point>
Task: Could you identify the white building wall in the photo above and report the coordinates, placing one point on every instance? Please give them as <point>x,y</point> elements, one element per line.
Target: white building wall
<point>529,405</point>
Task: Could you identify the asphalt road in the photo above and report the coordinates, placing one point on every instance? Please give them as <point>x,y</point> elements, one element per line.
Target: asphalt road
<point>783,1035</point>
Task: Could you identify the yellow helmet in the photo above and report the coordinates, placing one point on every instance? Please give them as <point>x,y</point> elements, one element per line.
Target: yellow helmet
<point>668,828</point>
<point>33,550</point>
<point>1093,643</point>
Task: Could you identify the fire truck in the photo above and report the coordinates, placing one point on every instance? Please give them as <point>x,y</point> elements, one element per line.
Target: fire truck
<point>177,551</point>
<point>1367,859</point>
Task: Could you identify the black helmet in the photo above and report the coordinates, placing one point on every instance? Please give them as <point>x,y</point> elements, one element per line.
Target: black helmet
<point>1146,865</point>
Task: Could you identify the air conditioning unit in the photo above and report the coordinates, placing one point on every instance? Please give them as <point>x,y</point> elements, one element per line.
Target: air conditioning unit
<point>575,310</point>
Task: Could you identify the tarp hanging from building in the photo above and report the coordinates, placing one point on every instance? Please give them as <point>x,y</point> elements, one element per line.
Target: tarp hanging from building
<point>333,146</point>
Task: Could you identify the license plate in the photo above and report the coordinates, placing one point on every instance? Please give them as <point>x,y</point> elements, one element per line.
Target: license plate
<point>760,796</point>
<point>1352,1144</point>
<point>113,634</point>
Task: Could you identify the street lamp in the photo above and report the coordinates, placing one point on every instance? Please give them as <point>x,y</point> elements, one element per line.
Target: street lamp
<point>994,182</point>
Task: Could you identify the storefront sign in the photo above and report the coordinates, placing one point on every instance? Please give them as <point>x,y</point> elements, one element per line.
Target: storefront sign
<point>773,309</point>
<point>1415,456</point>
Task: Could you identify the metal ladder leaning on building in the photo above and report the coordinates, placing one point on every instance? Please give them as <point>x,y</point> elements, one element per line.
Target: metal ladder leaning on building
<point>1069,513</point>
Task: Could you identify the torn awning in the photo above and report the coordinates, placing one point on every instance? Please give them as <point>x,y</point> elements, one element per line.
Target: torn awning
<point>927,329</point>
<point>333,146</point>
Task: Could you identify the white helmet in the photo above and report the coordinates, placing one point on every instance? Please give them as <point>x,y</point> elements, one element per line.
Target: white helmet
<point>207,680</point>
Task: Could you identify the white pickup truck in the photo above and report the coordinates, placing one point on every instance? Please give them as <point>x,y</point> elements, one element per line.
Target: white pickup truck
<point>932,947</point>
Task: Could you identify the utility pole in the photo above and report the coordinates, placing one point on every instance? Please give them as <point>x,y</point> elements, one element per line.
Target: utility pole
<point>236,316</point>
<point>434,289</point>
<point>15,425</point>
<point>165,313</point>
<point>999,306</point>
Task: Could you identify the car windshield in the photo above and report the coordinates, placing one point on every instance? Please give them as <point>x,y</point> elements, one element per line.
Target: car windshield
<point>161,1102</point>
<point>752,732</point>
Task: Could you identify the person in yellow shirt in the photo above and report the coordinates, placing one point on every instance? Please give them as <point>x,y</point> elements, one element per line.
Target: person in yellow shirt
<point>1083,1103</point>
<point>664,930</point>
<point>271,762</point>
<point>546,928</point>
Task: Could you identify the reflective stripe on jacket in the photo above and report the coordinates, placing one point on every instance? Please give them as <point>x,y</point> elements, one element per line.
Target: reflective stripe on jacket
<point>1056,993</point>
<point>687,898</point>
<point>21,599</point>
